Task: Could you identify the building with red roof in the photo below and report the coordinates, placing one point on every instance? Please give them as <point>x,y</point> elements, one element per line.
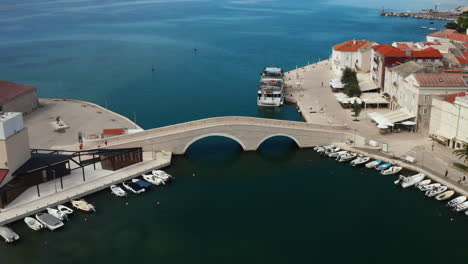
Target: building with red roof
<point>354,54</point>
<point>15,97</point>
<point>447,35</point>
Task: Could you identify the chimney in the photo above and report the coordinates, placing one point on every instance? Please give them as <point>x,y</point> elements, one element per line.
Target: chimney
<point>408,53</point>
<point>354,42</point>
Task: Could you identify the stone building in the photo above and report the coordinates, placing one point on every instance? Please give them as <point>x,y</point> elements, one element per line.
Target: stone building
<point>15,97</point>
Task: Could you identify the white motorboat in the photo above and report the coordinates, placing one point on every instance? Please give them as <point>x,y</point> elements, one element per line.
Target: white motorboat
<point>406,182</point>
<point>49,221</point>
<point>359,160</point>
<point>336,154</point>
<point>331,150</point>
<point>65,209</point>
<point>320,149</point>
<point>436,190</point>
<point>461,207</point>
<point>83,205</point>
<point>392,170</point>
<point>457,200</point>
<point>133,187</point>
<point>8,234</point>
<point>428,187</point>
<point>372,164</point>
<point>422,183</point>
<point>445,196</point>
<point>383,166</point>
<point>57,214</point>
<point>153,179</point>
<point>33,223</point>
<point>161,174</point>
<point>346,157</point>
<point>117,191</point>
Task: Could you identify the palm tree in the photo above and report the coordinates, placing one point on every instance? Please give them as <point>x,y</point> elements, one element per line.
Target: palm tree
<point>462,153</point>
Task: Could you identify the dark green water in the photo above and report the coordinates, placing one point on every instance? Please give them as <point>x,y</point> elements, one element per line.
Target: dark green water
<point>277,205</point>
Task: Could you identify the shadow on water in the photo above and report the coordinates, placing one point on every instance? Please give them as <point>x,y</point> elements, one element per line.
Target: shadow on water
<point>214,149</point>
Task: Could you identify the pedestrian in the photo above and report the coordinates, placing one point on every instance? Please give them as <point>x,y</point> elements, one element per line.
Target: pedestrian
<point>446,173</point>
<point>464,178</point>
<point>105,142</point>
<point>322,83</point>
<point>81,146</point>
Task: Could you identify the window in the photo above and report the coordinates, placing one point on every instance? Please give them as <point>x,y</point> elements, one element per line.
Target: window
<point>428,60</point>
<point>425,110</point>
<point>458,146</point>
<point>427,98</point>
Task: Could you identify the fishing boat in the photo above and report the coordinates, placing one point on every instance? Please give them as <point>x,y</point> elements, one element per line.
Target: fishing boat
<point>8,234</point>
<point>141,183</point>
<point>57,214</point>
<point>461,207</point>
<point>83,205</point>
<point>117,191</point>
<point>423,27</point>
<point>436,190</point>
<point>33,223</point>
<point>271,88</point>
<point>162,175</point>
<point>52,223</point>
<point>383,166</point>
<point>422,183</point>
<point>64,209</point>
<point>153,179</point>
<point>445,196</point>
<point>406,182</point>
<point>346,157</point>
<point>429,187</point>
<point>458,200</point>
<point>359,160</point>
<point>372,164</point>
<point>336,154</point>
<point>133,187</point>
<point>392,170</point>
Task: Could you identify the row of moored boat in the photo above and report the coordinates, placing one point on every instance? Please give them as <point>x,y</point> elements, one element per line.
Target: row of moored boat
<point>436,190</point>
<point>54,217</point>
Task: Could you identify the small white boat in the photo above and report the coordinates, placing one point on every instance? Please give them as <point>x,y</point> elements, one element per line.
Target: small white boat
<point>428,187</point>
<point>320,149</point>
<point>33,223</point>
<point>433,29</point>
<point>8,234</point>
<point>372,164</point>
<point>406,182</point>
<point>392,170</point>
<point>436,190</point>
<point>161,174</point>
<point>83,205</point>
<point>336,154</point>
<point>153,179</point>
<point>331,150</point>
<point>423,27</point>
<point>422,183</point>
<point>49,221</point>
<point>445,196</point>
<point>117,191</point>
<point>57,214</point>
<point>461,207</point>
<point>359,160</point>
<point>64,209</point>
<point>457,200</point>
<point>346,157</point>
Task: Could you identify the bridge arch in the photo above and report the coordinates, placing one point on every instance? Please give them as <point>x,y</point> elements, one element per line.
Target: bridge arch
<point>278,135</point>
<point>214,135</point>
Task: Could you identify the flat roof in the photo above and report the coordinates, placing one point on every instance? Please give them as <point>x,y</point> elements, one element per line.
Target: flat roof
<point>8,115</point>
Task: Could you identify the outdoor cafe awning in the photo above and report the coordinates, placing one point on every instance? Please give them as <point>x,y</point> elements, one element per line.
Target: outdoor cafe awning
<point>389,119</point>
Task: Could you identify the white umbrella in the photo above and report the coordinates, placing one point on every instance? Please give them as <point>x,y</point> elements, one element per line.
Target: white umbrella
<point>382,126</point>
<point>408,123</point>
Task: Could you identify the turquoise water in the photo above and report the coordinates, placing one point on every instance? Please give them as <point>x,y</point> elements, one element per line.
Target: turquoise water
<point>277,205</point>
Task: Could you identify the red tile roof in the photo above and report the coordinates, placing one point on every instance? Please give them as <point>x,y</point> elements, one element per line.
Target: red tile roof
<point>403,46</point>
<point>3,174</point>
<point>451,98</point>
<point>351,45</point>
<point>466,45</point>
<point>113,131</point>
<point>440,80</point>
<point>442,34</point>
<point>459,37</point>
<point>463,61</point>
<point>11,90</point>
<point>390,51</point>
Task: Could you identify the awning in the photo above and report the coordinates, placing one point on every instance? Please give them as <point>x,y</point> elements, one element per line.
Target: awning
<point>366,83</point>
<point>373,98</point>
<point>408,123</point>
<point>389,119</point>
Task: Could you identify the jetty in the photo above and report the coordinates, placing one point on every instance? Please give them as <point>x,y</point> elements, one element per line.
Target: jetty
<point>432,15</point>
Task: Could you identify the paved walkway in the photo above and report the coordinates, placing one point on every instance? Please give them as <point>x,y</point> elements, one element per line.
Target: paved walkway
<point>29,203</point>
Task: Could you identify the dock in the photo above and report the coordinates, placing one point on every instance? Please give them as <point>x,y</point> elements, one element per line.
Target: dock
<point>439,15</point>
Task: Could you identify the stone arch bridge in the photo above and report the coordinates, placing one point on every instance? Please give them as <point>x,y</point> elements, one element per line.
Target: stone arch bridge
<point>249,132</point>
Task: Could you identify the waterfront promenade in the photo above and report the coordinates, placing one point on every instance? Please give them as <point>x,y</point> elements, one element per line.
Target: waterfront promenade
<point>305,89</point>
<point>75,188</point>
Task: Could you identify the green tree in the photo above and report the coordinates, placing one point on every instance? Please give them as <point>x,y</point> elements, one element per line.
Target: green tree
<point>451,25</point>
<point>357,108</point>
<point>462,153</point>
<point>461,25</point>
<point>348,75</point>
<point>352,89</point>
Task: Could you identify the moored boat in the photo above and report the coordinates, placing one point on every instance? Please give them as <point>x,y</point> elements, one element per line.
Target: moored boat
<point>117,191</point>
<point>436,190</point>
<point>359,160</point>
<point>373,164</point>
<point>391,171</point>
<point>458,200</point>
<point>383,166</point>
<point>33,223</point>
<point>346,157</point>
<point>406,182</point>
<point>271,88</point>
<point>429,187</point>
<point>162,175</point>
<point>461,207</point>
<point>64,209</point>
<point>57,214</point>
<point>336,154</point>
<point>49,221</point>
<point>8,234</point>
<point>133,187</point>
<point>83,205</point>
<point>153,179</point>
<point>445,196</point>
<point>422,183</point>
<point>141,183</point>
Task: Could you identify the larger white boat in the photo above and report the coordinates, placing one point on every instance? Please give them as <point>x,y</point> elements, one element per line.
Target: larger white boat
<point>8,234</point>
<point>410,181</point>
<point>49,221</point>
<point>271,88</point>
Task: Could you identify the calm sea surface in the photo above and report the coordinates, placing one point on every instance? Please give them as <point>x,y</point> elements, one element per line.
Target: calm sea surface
<point>277,205</point>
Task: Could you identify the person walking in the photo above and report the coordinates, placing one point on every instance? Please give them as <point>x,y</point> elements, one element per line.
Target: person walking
<point>105,142</point>
<point>446,173</point>
<point>81,146</point>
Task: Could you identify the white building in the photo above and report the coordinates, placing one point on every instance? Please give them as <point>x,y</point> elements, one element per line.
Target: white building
<point>449,120</point>
<point>354,54</point>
